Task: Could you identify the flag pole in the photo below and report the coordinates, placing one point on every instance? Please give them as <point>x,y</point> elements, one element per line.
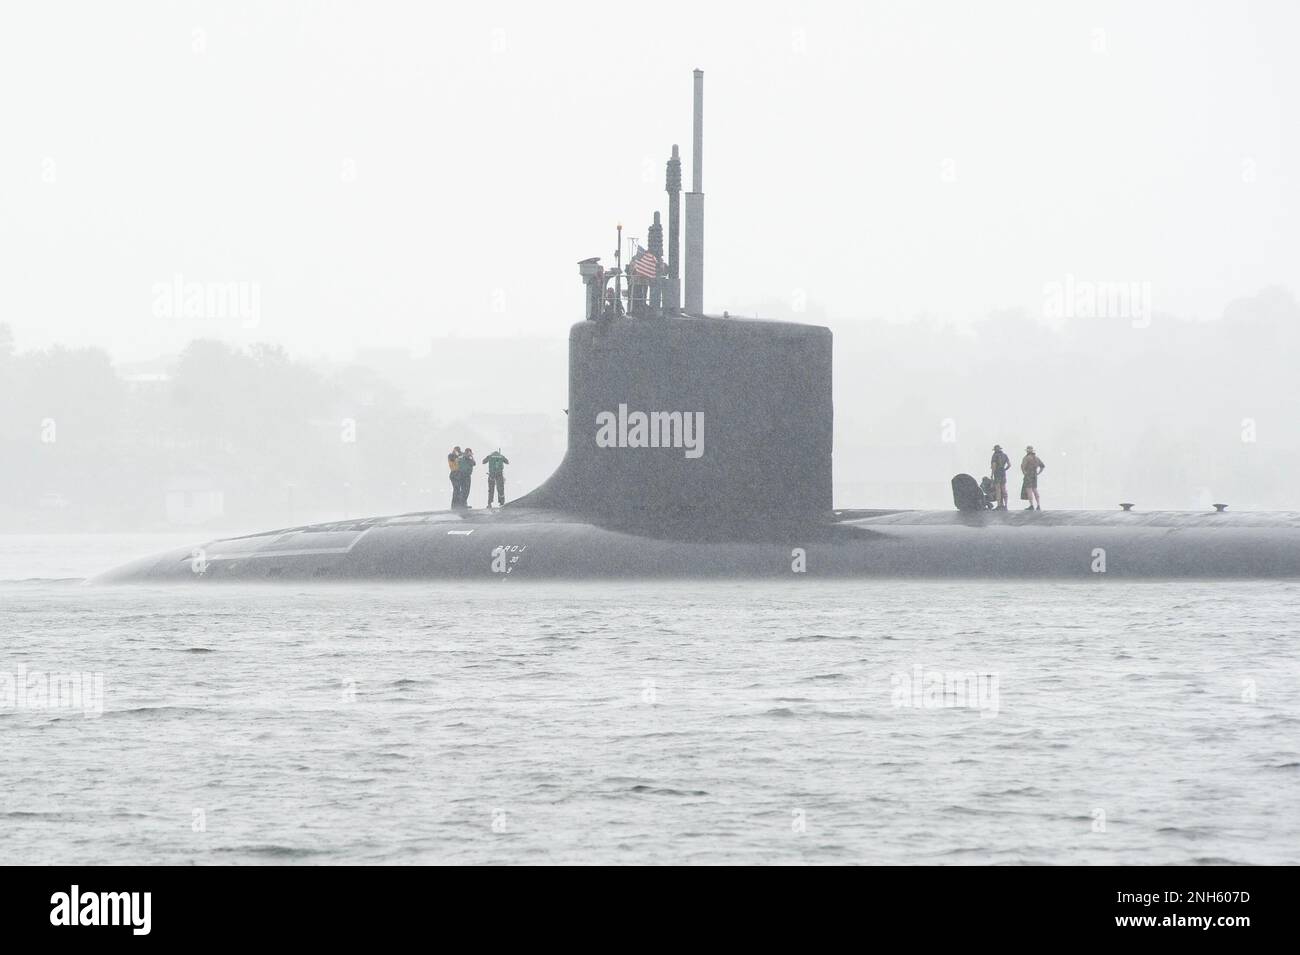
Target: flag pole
<point>618,275</point>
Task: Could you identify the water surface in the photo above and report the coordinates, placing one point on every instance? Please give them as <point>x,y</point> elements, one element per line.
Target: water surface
<point>794,721</point>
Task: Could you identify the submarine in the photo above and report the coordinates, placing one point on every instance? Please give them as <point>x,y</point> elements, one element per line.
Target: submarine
<point>674,468</point>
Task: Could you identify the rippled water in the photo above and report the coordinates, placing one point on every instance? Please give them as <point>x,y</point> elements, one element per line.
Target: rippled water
<point>1097,723</point>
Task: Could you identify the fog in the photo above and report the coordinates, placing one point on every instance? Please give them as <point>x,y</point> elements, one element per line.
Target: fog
<point>1066,225</point>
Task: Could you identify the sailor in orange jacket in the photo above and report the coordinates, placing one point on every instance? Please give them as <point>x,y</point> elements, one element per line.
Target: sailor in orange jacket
<point>453,466</point>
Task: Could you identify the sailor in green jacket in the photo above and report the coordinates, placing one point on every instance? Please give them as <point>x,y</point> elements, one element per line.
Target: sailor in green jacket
<point>496,464</point>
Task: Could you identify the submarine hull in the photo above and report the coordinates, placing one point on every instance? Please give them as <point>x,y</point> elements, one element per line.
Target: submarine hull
<point>746,494</point>
<point>535,543</point>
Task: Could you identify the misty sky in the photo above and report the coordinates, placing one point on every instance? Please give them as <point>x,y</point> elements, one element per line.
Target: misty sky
<point>389,173</point>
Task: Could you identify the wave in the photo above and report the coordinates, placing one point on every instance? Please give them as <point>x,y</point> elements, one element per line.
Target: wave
<point>274,851</point>
<point>145,712</point>
<point>644,790</point>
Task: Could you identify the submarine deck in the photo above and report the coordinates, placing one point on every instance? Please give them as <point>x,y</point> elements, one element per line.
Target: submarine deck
<point>1077,518</point>
<point>857,517</point>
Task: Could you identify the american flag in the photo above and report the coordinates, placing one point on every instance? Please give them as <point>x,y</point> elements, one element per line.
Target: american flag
<point>645,264</point>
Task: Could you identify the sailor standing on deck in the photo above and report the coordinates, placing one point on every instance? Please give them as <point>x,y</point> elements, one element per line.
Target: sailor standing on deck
<point>453,464</point>
<point>464,472</point>
<point>1031,466</point>
<point>496,463</point>
<point>999,464</point>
